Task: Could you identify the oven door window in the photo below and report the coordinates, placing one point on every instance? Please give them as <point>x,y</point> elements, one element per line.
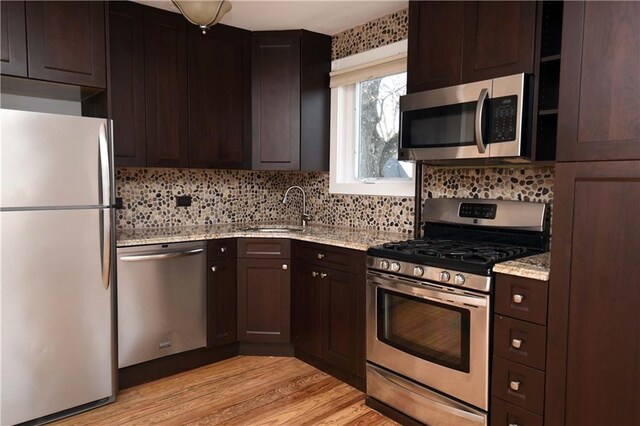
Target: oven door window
<point>433,331</point>
<point>442,126</point>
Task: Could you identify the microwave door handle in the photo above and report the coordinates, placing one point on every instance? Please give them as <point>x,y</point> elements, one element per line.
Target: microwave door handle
<point>479,110</point>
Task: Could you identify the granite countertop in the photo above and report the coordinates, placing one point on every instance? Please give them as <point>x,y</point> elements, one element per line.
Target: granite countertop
<point>353,238</point>
<point>534,267</point>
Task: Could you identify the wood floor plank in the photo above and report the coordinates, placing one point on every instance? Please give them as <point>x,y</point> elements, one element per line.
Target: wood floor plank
<point>245,390</point>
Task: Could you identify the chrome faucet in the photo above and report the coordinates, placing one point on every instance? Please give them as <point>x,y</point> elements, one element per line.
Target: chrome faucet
<point>304,218</point>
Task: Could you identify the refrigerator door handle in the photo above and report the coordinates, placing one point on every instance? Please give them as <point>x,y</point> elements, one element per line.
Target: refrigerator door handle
<point>105,174</point>
<point>105,226</point>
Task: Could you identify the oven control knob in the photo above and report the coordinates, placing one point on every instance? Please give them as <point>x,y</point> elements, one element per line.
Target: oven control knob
<point>395,266</point>
<point>384,264</point>
<point>459,279</point>
<point>418,271</point>
<point>444,276</point>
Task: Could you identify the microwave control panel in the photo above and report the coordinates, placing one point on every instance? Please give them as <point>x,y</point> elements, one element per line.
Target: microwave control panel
<point>504,115</point>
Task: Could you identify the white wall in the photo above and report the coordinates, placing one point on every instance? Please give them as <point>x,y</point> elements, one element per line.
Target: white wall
<point>30,103</point>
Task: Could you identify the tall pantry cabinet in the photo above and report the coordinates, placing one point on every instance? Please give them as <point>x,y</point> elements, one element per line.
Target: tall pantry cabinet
<point>593,357</point>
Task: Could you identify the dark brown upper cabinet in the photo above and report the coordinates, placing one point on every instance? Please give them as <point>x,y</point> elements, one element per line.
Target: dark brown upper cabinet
<point>435,44</point>
<point>459,42</point>
<point>219,97</point>
<point>290,100</point>
<point>66,42</point>
<point>13,39</point>
<point>126,49</point>
<point>165,60</point>
<point>599,107</point>
<point>498,39</point>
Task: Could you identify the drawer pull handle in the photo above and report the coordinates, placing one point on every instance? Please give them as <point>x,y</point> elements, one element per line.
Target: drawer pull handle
<point>314,273</point>
<point>214,269</point>
<point>223,249</point>
<point>285,266</point>
<point>320,256</point>
<point>517,298</point>
<point>323,275</point>
<point>516,343</point>
<point>515,385</point>
<point>514,424</point>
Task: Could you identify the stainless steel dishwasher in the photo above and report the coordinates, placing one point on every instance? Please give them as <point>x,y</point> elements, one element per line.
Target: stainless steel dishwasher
<point>161,301</point>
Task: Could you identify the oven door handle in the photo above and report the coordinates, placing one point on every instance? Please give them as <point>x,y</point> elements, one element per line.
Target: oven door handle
<point>432,294</point>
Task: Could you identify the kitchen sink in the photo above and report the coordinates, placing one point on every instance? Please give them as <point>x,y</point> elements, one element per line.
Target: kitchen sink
<point>275,229</point>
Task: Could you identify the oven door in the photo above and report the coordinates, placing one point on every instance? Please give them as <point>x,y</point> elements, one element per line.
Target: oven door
<point>434,335</point>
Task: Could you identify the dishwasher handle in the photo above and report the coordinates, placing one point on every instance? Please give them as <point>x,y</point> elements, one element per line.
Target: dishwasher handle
<point>161,256</point>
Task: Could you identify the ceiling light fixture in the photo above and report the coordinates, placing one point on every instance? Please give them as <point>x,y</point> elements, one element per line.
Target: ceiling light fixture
<point>203,13</point>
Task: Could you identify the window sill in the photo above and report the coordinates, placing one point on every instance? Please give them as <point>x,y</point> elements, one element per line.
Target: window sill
<point>380,189</point>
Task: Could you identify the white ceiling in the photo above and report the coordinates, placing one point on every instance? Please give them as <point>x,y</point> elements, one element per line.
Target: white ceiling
<point>327,16</point>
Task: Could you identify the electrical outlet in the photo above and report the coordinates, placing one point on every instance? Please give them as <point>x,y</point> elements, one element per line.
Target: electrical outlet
<point>183,200</point>
<point>119,204</point>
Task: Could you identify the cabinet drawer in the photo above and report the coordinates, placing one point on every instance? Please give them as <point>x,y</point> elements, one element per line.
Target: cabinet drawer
<point>520,341</point>
<point>505,414</point>
<point>522,298</point>
<point>217,249</point>
<point>341,259</point>
<point>520,385</point>
<point>264,248</point>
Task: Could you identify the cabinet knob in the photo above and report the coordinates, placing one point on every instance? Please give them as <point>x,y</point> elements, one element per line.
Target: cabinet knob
<point>314,273</point>
<point>223,249</point>
<point>517,299</point>
<point>320,256</point>
<point>515,385</point>
<point>285,266</point>
<point>214,269</point>
<point>323,275</point>
<point>516,343</point>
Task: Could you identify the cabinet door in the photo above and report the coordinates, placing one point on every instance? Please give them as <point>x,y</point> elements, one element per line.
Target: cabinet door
<point>221,301</point>
<point>498,39</point>
<point>126,48</point>
<point>66,42</point>
<point>435,44</point>
<point>340,301</point>
<point>13,39</point>
<point>263,300</point>
<point>219,97</point>
<point>307,309</point>
<point>275,103</point>
<point>599,108</point>
<point>594,322</point>
<point>165,53</point>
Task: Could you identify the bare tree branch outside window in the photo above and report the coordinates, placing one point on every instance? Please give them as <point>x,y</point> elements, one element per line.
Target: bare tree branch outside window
<point>379,124</point>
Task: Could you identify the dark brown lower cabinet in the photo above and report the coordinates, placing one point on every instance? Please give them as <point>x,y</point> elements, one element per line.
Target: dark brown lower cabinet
<point>263,292</point>
<point>593,356</point>
<point>328,305</point>
<point>221,293</point>
<point>519,350</point>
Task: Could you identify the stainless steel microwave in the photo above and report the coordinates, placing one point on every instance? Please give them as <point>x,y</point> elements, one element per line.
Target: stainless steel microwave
<point>486,121</point>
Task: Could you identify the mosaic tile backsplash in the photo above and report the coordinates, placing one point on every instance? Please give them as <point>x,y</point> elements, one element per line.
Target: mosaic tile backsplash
<point>379,32</point>
<point>230,196</point>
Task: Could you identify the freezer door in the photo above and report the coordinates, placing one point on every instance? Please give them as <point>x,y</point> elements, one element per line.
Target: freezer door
<point>51,160</point>
<point>56,314</point>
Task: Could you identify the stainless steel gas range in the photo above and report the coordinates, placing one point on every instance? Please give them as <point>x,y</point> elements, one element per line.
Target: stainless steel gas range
<point>429,304</point>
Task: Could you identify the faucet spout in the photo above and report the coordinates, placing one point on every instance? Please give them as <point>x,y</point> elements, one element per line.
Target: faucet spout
<point>304,218</point>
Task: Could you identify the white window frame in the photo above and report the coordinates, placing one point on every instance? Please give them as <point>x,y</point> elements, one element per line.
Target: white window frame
<point>343,120</point>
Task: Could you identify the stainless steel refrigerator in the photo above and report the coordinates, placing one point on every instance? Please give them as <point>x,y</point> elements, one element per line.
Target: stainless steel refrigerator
<point>56,242</point>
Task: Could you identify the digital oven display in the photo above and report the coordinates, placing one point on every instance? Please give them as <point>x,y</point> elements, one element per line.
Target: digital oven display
<point>478,211</point>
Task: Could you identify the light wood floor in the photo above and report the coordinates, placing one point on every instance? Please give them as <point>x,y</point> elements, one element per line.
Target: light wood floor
<point>240,391</point>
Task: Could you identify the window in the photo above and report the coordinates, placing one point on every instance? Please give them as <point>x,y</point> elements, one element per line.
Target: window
<point>365,122</point>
